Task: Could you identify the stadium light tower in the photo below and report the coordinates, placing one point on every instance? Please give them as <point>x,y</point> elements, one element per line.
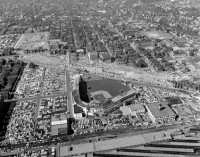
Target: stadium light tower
<point>70,105</point>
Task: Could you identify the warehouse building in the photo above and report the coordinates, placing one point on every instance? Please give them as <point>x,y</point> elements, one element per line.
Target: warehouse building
<point>160,112</point>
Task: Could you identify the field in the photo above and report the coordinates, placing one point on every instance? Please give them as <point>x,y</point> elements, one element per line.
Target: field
<point>99,95</point>
<point>106,88</point>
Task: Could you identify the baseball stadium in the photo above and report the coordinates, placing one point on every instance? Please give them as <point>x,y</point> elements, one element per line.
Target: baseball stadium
<point>101,89</point>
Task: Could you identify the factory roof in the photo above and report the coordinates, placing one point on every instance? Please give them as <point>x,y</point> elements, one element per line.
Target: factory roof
<point>58,119</point>
<point>160,109</point>
<point>56,129</point>
<point>182,110</point>
<point>125,110</point>
<point>136,107</point>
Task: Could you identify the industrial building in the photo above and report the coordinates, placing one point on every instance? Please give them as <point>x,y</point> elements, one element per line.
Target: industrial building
<point>160,112</point>
<point>58,123</point>
<point>132,109</point>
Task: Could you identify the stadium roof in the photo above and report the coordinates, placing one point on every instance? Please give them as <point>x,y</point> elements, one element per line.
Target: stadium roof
<point>121,96</point>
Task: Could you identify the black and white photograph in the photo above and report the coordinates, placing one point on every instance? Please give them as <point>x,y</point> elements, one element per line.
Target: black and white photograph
<point>99,78</point>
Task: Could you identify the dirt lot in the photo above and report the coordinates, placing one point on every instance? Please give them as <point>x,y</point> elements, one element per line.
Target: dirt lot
<point>33,41</point>
<point>41,59</point>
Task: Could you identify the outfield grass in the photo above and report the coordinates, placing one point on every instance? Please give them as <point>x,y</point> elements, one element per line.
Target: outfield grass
<point>111,86</point>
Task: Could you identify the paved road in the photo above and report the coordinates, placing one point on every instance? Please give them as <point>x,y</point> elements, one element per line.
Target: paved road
<point>64,139</point>
<point>19,41</point>
<point>106,75</point>
<point>38,97</point>
<point>8,57</point>
<point>143,83</point>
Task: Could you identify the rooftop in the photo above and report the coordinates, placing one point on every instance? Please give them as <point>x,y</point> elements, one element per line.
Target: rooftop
<point>55,129</point>
<point>182,110</point>
<point>125,110</point>
<point>124,95</point>
<point>174,101</point>
<point>58,119</point>
<point>136,107</point>
<point>160,109</point>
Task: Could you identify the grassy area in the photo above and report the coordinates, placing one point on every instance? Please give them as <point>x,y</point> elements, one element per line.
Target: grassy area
<point>113,87</point>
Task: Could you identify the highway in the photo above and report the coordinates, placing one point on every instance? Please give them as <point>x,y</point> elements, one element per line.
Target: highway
<point>105,75</point>
<point>64,139</point>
